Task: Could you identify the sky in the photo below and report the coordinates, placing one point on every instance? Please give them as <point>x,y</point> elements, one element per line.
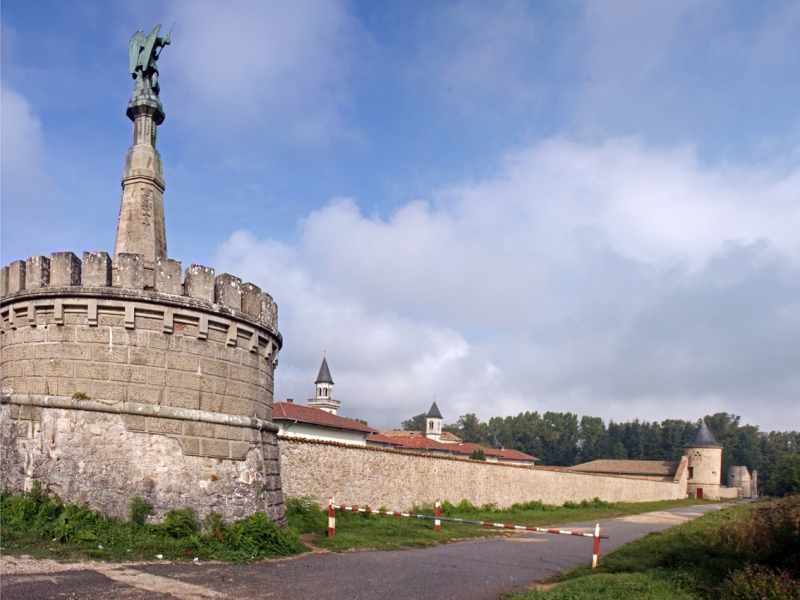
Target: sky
<point>511,206</point>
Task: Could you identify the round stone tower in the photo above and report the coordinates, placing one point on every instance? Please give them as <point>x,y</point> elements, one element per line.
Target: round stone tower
<point>705,464</point>
<point>133,377</point>
<point>739,477</point>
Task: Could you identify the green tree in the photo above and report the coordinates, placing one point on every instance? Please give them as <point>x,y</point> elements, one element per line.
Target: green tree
<point>478,455</point>
<point>415,423</point>
<point>470,429</point>
<point>559,433</point>
<point>591,439</point>
<point>786,477</point>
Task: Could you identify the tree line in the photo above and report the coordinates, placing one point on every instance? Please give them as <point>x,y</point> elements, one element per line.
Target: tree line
<point>564,439</point>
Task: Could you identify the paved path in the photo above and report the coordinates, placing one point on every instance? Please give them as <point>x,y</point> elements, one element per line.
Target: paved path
<point>477,569</point>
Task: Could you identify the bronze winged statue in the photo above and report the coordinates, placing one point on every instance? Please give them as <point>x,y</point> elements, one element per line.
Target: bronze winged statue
<point>143,53</point>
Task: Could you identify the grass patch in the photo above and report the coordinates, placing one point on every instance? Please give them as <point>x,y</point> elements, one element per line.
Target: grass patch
<point>363,531</point>
<point>39,524</point>
<point>749,551</point>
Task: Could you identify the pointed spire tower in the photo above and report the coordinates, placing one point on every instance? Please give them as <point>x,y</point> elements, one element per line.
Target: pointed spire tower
<point>141,227</point>
<point>433,423</point>
<point>324,400</point>
<point>705,464</point>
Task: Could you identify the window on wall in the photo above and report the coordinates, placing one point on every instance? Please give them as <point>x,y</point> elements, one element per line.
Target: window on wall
<point>691,472</point>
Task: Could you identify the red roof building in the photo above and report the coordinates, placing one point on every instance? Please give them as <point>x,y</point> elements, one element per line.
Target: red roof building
<point>295,420</point>
<point>414,440</point>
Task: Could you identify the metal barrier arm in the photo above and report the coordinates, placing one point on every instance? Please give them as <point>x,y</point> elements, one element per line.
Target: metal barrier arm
<point>438,518</point>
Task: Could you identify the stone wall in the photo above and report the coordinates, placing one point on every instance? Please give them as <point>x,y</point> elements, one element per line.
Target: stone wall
<point>397,479</point>
<point>181,372</point>
<point>94,457</point>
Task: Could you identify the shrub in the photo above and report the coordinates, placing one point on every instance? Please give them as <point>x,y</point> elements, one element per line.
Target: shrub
<point>179,523</point>
<point>254,538</point>
<point>755,582</point>
<point>138,510</point>
<point>305,515</point>
<point>769,534</point>
<point>34,518</point>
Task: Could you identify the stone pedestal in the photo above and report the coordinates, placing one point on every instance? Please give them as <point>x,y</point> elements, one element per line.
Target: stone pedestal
<point>141,228</point>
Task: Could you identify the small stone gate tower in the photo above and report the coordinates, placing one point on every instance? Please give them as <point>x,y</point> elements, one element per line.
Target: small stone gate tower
<point>131,376</point>
<point>705,464</point>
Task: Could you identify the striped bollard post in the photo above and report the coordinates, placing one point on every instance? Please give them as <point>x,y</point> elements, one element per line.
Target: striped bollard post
<point>437,524</point>
<point>596,545</point>
<point>331,519</point>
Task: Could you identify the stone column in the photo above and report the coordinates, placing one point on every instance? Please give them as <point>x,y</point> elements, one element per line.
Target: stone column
<point>141,228</point>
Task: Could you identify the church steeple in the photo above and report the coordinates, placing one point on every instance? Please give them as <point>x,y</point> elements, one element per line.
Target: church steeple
<point>324,400</point>
<point>433,423</point>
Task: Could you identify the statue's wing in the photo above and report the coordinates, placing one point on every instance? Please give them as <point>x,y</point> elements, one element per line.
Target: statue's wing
<point>137,41</point>
<point>150,44</point>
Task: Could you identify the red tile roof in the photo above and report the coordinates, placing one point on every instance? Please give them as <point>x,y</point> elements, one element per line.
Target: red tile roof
<point>414,439</point>
<point>284,411</point>
<point>383,439</point>
<point>664,468</point>
<point>400,433</point>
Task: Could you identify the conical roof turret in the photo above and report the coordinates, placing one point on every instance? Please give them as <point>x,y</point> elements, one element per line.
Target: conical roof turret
<point>324,373</point>
<point>702,438</point>
<point>434,413</point>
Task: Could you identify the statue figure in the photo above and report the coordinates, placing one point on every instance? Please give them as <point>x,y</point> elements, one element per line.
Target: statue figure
<point>143,53</point>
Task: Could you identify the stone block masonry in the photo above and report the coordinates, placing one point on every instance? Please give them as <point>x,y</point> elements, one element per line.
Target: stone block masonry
<point>114,390</point>
<point>364,475</point>
<point>115,461</point>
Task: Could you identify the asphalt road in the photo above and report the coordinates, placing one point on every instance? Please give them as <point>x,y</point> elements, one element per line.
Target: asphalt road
<point>477,569</point>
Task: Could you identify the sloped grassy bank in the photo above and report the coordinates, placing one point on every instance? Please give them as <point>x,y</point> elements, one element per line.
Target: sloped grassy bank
<point>745,552</point>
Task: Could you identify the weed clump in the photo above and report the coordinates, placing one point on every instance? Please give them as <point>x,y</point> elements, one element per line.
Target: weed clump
<point>755,582</point>
<point>595,503</point>
<point>305,515</point>
<point>138,510</point>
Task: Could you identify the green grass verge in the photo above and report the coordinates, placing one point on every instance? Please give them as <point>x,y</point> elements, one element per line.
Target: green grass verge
<point>747,551</point>
<point>40,525</point>
<point>379,532</point>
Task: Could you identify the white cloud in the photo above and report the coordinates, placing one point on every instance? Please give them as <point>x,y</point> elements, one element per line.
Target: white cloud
<point>21,142</point>
<point>29,199</point>
<point>381,361</point>
<point>613,279</point>
<point>250,68</point>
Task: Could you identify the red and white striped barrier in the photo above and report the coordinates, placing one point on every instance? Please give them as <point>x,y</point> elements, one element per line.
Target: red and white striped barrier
<point>437,518</point>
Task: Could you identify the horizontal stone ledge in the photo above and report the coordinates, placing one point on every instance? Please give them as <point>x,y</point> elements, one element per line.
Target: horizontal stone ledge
<point>144,300</point>
<point>134,408</point>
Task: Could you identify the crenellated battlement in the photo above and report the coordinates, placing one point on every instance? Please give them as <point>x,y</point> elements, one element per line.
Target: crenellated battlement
<point>140,379</point>
<point>64,274</point>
